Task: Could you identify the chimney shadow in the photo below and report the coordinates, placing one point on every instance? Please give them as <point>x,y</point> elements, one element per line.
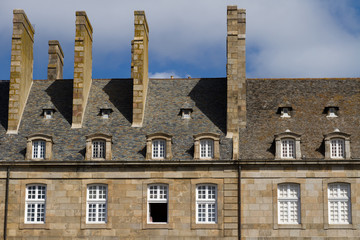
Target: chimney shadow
<point>4,103</point>
<point>120,92</point>
<point>209,96</point>
<point>61,94</point>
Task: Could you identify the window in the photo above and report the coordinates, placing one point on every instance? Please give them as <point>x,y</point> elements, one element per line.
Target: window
<point>186,113</point>
<point>96,209</point>
<point>38,149</point>
<point>206,204</point>
<point>339,203</point>
<point>158,146</point>
<point>98,147</point>
<point>207,146</point>
<point>337,145</point>
<point>287,148</point>
<point>157,199</point>
<point>48,113</point>
<point>105,112</point>
<point>35,204</point>
<point>285,112</point>
<point>288,203</point>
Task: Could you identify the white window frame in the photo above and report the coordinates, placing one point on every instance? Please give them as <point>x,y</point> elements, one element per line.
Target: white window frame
<point>157,193</point>
<point>206,203</point>
<point>35,204</point>
<point>337,148</point>
<point>206,148</point>
<point>288,148</point>
<point>339,203</point>
<point>158,148</point>
<point>289,203</point>
<point>38,149</point>
<point>96,200</point>
<point>98,149</point>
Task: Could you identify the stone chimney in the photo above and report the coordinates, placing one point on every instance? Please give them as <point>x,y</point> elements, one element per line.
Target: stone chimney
<point>21,69</point>
<point>236,70</point>
<point>56,60</point>
<point>139,67</point>
<point>82,67</point>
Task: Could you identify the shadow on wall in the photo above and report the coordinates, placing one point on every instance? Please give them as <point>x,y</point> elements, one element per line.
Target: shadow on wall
<point>4,102</point>
<point>61,94</point>
<point>120,92</point>
<point>209,96</point>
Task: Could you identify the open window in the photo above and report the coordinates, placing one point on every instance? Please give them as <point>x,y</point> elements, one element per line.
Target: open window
<point>337,145</point>
<point>157,199</point>
<point>98,147</point>
<point>39,147</point>
<point>287,146</point>
<point>206,146</point>
<point>158,146</point>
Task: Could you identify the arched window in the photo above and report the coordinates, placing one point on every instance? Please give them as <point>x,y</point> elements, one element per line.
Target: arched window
<point>337,145</point>
<point>287,146</point>
<point>39,147</point>
<point>158,146</point>
<point>98,147</point>
<point>206,146</point>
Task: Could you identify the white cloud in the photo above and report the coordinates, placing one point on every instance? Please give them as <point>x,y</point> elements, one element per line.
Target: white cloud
<point>163,75</point>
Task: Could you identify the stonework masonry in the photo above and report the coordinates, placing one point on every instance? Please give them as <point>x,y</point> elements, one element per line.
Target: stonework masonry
<point>56,60</point>
<point>139,67</point>
<point>21,72</point>
<point>82,67</point>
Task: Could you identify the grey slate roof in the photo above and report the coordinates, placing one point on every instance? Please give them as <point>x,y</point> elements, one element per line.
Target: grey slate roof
<point>164,100</point>
<point>308,99</point>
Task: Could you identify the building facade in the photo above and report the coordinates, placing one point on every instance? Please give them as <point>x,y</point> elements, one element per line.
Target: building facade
<point>196,158</point>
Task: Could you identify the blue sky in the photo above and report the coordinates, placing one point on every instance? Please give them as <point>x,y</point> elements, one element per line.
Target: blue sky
<point>285,38</point>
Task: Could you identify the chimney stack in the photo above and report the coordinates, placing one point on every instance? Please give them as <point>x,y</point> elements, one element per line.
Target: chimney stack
<point>82,67</point>
<point>139,67</point>
<point>56,60</point>
<point>21,69</point>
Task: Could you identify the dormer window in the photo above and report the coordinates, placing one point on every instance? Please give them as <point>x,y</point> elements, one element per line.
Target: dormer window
<point>337,145</point>
<point>206,146</point>
<point>285,112</point>
<point>332,111</point>
<point>48,113</point>
<point>287,146</point>
<point>39,147</point>
<point>98,147</point>
<point>158,146</point>
<point>105,112</point>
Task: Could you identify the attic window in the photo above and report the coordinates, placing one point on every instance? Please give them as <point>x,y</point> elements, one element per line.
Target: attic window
<point>332,111</point>
<point>285,112</point>
<point>48,113</point>
<point>186,113</point>
<point>105,112</point>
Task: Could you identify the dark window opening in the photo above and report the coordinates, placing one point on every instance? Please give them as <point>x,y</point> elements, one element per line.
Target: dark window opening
<point>158,212</point>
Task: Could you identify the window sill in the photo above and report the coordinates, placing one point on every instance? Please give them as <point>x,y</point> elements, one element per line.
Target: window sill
<point>95,226</point>
<point>205,226</point>
<point>157,226</point>
<point>340,226</point>
<point>289,226</point>
<point>34,226</point>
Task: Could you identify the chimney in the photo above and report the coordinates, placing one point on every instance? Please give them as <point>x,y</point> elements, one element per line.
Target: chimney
<point>139,67</point>
<point>21,69</point>
<point>56,60</point>
<point>82,67</point>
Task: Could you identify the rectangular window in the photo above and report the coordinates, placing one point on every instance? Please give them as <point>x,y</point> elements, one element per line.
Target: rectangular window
<point>206,148</point>
<point>337,148</point>
<point>35,204</point>
<point>96,211</point>
<point>38,149</point>
<point>206,204</point>
<point>158,148</point>
<point>287,148</point>
<point>288,203</point>
<point>339,203</point>
<point>98,147</point>
<point>157,203</point>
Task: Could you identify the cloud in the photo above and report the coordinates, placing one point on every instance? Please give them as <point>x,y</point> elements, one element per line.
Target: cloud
<point>163,75</point>
<point>298,38</point>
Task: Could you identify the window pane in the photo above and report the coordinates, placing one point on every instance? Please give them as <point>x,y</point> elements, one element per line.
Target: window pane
<point>206,203</point>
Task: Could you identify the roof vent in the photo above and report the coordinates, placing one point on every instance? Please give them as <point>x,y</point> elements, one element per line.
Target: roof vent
<point>186,110</point>
<point>287,130</point>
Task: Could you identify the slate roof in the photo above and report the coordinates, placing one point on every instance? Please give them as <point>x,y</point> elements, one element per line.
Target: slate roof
<point>164,101</point>
<point>308,99</point>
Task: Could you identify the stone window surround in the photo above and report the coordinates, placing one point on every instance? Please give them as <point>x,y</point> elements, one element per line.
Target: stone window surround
<point>353,192</point>
<point>48,146</point>
<point>341,135</point>
<point>291,135</point>
<point>84,189</point>
<point>213,136</point>
<point>163,136</point>
<point>171,203</point>
<point>275,184</point>
<point>48,205</point>
<point>220,200</point>
<point>98,136</point>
